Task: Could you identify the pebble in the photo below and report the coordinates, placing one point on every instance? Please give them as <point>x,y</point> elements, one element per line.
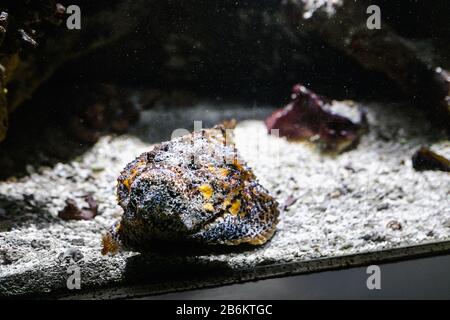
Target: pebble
<point>40,244</point>
<point>71,255</point>
<point>394,225</point>
<point>383,206</point>
<point>77,242</point>
<point>374,237</point>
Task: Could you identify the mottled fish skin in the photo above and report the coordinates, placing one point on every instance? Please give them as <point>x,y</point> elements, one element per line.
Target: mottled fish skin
<point>195,188</point>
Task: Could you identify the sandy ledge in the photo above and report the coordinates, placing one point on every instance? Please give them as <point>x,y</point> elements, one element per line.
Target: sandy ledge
<point>343,205</point>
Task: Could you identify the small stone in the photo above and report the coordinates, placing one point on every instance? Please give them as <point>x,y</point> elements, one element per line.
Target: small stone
<point>9,256</point>
<point>97,169</point>
<point>425,159</point>
<point>394,225</point>
<point>374,237</point>
<point>73,212</point>
<point>349,168</point>
<point>383,206</point>
<point>40,244</point>
<point>346,246</point>
<point>77,242</point>
<point>335,194</point>
<point>34,244</point>
<point>71,255</point>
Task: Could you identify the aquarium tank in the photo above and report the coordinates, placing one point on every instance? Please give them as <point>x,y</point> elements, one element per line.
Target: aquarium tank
<point>206,149</point>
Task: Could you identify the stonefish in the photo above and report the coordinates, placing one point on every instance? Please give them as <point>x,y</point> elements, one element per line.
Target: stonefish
<point>195,188</point>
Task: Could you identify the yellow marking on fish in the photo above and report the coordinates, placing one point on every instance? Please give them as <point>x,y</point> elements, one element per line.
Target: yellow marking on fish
<point>206,191</point>
<point>133,172</point>
<point>235,207</point>
<point>208,207</point>
<point>237,164</point>
<point>225,204</point>
<point>127,183</point>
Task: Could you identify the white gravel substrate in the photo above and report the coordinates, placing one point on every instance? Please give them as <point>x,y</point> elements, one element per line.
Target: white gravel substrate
<point>342,206</point>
